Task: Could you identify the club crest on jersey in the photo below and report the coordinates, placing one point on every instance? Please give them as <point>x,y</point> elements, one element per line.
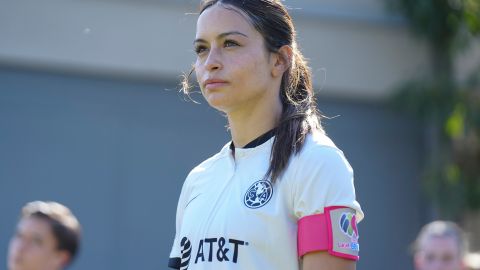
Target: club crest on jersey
<point>258,194</point>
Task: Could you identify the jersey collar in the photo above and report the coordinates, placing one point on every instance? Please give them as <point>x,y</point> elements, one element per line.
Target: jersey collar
<point>258,141</point>
<point>263,141</point>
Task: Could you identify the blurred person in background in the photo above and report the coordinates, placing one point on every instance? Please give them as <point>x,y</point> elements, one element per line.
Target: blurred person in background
<point>440,245</point>
<point>47,237</point>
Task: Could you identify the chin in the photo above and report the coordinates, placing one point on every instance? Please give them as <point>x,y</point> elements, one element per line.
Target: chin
<point>218,104</point>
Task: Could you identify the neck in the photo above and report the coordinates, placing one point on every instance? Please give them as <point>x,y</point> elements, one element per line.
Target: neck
<point>249,123</point>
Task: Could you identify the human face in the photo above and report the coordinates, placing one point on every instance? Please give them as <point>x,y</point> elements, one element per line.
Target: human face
<point>438,253</point>
<point>34,247</point>
<point>233,66</point>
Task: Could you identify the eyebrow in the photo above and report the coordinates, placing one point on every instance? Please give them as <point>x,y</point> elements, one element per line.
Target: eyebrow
<point>222,35</point>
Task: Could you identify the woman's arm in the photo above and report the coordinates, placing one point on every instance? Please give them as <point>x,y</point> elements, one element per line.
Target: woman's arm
<point>322,260</point>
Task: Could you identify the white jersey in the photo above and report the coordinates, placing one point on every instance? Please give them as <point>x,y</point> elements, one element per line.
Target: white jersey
<point>229,218</point>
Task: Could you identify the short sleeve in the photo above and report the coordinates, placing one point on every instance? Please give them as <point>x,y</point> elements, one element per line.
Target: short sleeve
<point>324,204</point>
<point>323,178</point>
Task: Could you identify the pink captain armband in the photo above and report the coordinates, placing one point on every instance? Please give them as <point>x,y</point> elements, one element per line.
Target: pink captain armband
<point>334,231</point>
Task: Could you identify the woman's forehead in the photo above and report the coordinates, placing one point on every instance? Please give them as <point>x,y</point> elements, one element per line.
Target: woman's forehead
<point>221,18</point>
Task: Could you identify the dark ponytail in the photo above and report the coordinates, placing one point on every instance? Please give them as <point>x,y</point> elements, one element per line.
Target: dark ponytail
<point>299,113</point>
<point>299,116</point>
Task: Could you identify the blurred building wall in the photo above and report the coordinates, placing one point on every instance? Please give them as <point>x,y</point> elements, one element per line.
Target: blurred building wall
<point>90,116</point>
<point>358,48</point>
<point>118,151</point>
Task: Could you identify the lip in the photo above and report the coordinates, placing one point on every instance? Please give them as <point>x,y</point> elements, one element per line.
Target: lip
<point>214,83</point>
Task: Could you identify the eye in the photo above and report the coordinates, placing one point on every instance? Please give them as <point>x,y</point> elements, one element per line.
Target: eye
<point>447,258</point>
<point>430,258</point>
<point>37,241</point>
<point>230,43</point>
<point>199,49</point>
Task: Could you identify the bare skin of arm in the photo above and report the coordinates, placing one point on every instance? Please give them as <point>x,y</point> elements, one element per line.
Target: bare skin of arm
<point>322,260</point>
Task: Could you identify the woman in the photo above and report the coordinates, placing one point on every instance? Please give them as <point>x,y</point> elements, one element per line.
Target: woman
<point>280,195</point>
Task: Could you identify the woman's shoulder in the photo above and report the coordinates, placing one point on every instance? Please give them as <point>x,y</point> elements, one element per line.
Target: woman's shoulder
<point>319,144</point>
<point>319,151</point>
<point>206,165</point>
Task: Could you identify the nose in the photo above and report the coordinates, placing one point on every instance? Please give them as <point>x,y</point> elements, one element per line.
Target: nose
<point>213,61</point>
<point>16,247</point>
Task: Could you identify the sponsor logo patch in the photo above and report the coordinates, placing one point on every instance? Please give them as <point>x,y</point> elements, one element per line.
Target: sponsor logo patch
<point>348,225</point>
<point>186,253</point>
<point>219,249</point>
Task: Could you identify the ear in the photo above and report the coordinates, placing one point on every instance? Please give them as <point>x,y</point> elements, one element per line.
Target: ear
<point>417,261</point>
<point>282,60</point>
<point>62,259</point>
